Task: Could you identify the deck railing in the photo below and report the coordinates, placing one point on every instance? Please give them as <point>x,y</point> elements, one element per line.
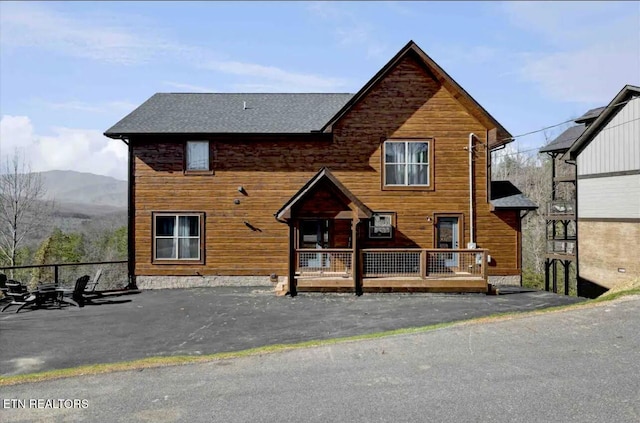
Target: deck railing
<point>327,263</point>
<point>424,263</point>
<point>564,246</point>
<point>113,275</point>
<point>391,263</point>
<point>561,207</point>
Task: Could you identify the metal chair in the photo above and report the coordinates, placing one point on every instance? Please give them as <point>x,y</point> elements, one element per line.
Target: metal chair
<point>19,295</point>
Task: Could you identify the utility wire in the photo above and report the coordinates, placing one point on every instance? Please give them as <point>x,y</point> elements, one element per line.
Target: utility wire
<point>556,125</point>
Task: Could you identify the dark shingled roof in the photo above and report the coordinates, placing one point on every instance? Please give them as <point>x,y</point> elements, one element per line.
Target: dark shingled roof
<point>590,115</point>
<point>564,141</point>
<point>625,95</point>
<point>504,195</point>
<point>173,113</point>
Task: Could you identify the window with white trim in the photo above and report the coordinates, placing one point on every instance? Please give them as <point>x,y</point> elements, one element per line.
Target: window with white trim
<point>197,156</point>
<point>177,236</point>
<point>406,163</point>
<point>381,226</point>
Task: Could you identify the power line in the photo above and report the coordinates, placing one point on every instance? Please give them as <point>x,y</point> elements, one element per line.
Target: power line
<point>556,125</point>
<point>514,153</point>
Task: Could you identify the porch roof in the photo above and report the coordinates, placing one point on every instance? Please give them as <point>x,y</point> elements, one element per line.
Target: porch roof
<point>505,195</point>
<point>323,174</point>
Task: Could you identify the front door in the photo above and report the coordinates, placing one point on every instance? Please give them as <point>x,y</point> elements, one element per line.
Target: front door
<point>447,236</point>
<point>314,234</point>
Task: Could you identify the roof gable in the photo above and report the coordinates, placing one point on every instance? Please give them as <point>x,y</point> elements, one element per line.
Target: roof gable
<point>618,102</point>
<point>468,102</point>
<point>323,175</point>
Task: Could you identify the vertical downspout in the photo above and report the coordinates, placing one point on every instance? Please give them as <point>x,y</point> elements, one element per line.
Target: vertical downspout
<point>472,243</point>
<point>131,265</point>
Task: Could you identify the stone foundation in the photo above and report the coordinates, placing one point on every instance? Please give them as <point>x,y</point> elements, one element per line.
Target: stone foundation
<point>163,282</point>
<point>511,280</point>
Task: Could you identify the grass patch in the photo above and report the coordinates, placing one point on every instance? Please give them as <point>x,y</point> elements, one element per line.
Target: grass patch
<point>177,360</point>
<point>155,362</point>
<point>612,295</point>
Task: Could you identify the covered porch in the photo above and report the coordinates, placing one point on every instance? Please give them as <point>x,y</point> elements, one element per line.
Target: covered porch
<point>328,249</point>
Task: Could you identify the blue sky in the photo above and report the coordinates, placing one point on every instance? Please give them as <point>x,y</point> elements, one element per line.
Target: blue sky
<point>70,70</point>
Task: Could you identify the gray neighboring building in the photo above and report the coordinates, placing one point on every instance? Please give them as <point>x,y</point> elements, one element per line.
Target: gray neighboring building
<point>607,157</point>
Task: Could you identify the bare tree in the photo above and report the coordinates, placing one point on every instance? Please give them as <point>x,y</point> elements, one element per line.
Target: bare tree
<point>530,173</point>
<point>23,207</point>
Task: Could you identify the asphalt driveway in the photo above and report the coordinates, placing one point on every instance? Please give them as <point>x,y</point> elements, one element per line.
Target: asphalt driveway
<point>212,320</point>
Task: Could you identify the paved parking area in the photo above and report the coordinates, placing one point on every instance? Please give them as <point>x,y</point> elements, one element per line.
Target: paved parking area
<point>211,320</point>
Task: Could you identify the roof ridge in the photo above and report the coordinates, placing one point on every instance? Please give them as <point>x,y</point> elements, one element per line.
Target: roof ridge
<point>234,93</point>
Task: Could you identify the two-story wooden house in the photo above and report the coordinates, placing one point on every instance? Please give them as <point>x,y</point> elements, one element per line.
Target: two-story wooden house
<point>388,188</point>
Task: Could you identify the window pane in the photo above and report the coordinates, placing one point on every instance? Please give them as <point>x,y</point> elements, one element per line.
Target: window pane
<point>188,248</point>
<point>166,248</point>
<point>197,155</point>
<point>165,225</point>
<point>394,152</point>
<point>394,174</point>
<point>418,175</point>
<point>188,226</point>
<point>418,152</point>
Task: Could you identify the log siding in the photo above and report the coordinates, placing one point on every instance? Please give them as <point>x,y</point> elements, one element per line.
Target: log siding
<point>242,236</point>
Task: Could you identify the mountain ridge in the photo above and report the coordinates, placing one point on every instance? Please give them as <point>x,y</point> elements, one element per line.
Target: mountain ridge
<point>76,188</point>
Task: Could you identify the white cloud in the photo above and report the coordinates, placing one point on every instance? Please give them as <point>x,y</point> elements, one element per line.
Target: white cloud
<point>289,81</point>
<point>350,29</point>
<point>189,87</point>
<point>82,150</point>
<point>98,38</point>
<point>594,48</point>
<point>33,25</point>
<point>107,107</point>
<point>594,74</point>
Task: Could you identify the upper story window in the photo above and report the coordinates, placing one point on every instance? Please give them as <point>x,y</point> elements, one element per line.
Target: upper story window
<point>406,163</point>
<point>197,156</point>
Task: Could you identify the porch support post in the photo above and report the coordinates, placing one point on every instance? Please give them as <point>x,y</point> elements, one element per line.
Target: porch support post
<point>566,264</point>
<point>485,264</point>
<point>423,264</point>
<point>292,260</point>
<point>555,275</point>
<point>547,264</point>
<point>355,261</point>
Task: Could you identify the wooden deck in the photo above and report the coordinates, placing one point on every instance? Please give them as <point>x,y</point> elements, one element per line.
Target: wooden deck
<point>396,284</point>
<point>385,270</point>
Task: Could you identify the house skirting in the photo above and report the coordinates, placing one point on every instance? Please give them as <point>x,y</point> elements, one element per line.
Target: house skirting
<point>164,282</point>
<point>508,280</point>
<point>167,282</point>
